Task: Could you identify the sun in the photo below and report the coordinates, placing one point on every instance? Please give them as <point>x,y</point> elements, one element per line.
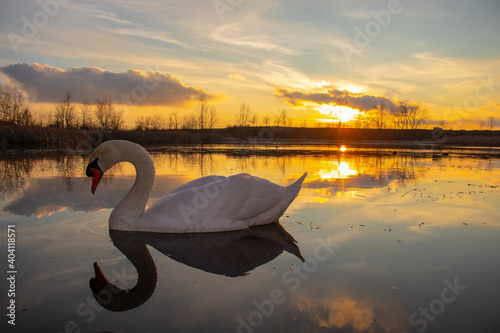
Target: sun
<point>340,113</point>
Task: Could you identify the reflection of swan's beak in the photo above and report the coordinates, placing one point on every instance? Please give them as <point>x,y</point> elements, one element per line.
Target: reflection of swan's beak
<point>100,280</point>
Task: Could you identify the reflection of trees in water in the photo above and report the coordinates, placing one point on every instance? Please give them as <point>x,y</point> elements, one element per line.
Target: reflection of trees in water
<point>244,164</point>
<point>197,161</point>
<point>14,173</point>
<point>359,171</point>
<point>281,163</point>
<point>403,168</point>
<point>16,169</point>
<point>67,166</point>
<point>406,168</point>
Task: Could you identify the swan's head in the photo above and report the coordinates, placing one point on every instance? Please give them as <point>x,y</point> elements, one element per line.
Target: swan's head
<point>108,154</point>
<point>103,158</point>
<point>110,296</point>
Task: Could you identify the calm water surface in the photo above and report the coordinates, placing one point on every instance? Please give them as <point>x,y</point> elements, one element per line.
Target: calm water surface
<point>392,243</point>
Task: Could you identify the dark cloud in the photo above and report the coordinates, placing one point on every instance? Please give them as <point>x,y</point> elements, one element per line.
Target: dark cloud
<point>44,83</point>
<point>338,97</point>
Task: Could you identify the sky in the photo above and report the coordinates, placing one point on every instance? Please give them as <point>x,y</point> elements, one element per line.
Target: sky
<point>158,56</point>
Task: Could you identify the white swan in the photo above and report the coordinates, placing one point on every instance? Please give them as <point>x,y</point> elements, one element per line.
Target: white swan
<point>207,204</point>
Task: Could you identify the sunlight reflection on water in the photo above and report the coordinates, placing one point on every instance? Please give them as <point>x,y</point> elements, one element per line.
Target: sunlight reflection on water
<point>401,225</point>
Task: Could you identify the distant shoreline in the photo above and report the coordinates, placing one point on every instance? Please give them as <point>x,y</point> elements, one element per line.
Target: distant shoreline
<point>18,137</point>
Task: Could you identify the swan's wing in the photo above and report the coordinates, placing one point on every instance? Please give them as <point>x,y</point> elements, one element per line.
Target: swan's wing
<point>247,196</point>
<point>217,205</point>
<point>197,183</point>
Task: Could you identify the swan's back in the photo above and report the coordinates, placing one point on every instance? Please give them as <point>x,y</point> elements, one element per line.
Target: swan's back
<point>217,203</point>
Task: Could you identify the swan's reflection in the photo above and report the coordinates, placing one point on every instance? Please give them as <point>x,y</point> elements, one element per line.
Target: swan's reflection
<point>233,254</point>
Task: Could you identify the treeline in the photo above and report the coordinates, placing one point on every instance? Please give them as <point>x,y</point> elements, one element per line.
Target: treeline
<point>204,117</point>
<point>98,114</point>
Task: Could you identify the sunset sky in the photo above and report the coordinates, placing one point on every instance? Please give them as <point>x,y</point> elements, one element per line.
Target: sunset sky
<point>305,56</point>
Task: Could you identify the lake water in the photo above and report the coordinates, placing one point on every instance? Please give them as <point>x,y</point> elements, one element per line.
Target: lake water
<point>392,243</point>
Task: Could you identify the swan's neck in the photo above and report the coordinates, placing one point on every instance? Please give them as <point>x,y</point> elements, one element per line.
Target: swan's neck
<point>136,251</point>
<point>127,213</point>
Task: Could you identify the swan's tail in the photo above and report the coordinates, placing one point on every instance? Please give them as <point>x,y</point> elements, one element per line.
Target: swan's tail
<point>291,191</point>
<point>273,214</point>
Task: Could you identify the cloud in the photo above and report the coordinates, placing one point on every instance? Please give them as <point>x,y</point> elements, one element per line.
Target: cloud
<point>237,77</point>
<point>149,34</point>
<point>46,196</point>
<point>339,97</point>
<point>238,36</point>
<point>44,83</point>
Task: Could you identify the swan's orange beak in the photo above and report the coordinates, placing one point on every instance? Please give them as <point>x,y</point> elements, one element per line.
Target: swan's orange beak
<point>96,173</point>
<point>96,177</point>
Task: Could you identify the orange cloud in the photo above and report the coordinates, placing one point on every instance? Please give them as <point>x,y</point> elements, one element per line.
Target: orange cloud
<point>44,83</point>
<point>358,101</point>
<point>338,313</point>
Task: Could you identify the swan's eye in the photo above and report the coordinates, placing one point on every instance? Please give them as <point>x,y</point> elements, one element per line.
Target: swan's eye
<point>92,165</point>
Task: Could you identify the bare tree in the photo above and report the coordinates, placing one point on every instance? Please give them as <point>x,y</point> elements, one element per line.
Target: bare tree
<point>86,113</point>
<point>409,115</point>
<point>173,120</point>
<point>380,115</point>
<point>254,118</point>
<point>266,119</point>
<point>107,116</point>
<point>212,117</point>
<point>282,118</point>
<point>101,113</point>
<point>116,118</point>
<point>25,117</point>
<point>65,112</point>
<point>43,117</point>
<point>14,108</point>
<point>243,116</point>
<point>189,121</point>
<point>202,112</point>
<point>491,123</point>
<point>158,122</point>
<point>142,123</point>
<point>418,115</point>
<point>481,125</point>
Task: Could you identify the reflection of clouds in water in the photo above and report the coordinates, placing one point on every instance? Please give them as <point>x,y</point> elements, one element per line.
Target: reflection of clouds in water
<point>339,312</point>
<point>355,314</point>
<point>46,196</point>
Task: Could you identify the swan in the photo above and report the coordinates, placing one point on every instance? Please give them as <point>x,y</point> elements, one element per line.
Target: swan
<point>207,204</point>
